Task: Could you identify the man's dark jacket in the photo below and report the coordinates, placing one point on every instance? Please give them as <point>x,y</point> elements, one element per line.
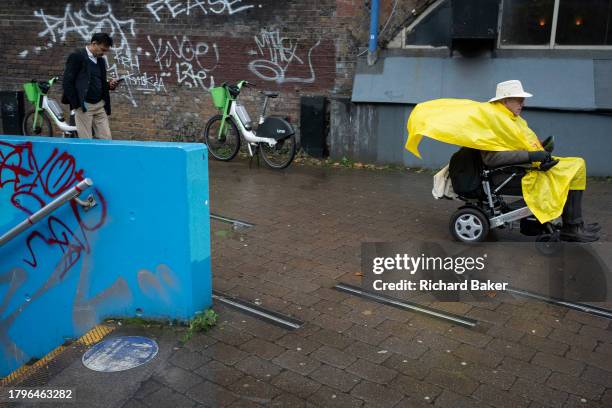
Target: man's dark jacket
<point>76,80</point>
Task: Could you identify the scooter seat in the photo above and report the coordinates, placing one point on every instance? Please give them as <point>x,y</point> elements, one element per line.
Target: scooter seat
<point>271,94</point>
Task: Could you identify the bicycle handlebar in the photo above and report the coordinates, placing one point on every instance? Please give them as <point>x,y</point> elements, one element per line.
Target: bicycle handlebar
<point>244,83</point>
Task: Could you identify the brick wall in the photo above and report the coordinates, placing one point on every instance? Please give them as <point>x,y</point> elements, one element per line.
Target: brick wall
<point>173,51</point>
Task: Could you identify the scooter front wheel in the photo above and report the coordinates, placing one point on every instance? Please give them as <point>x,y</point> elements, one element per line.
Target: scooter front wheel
<point>469,224</point>
<point>281,154</point>
<point>224,146</point>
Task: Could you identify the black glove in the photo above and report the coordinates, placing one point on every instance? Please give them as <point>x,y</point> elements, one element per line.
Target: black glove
<point>548,165</point>
<point>549,144</point>
<point>539,156</point>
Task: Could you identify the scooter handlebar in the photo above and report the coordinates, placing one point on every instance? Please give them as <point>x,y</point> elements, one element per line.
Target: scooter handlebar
<point>548,165</point>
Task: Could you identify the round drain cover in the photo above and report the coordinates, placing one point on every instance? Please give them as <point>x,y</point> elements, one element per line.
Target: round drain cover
<point>120,353</point>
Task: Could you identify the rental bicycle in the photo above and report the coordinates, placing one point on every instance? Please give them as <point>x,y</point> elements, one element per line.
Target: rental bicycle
<point>274,138</point>
<point>36,122</point>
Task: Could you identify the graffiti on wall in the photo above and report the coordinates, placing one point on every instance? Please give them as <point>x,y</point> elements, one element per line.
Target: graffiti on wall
<point>191,62</point>
<point>158,284</point>
<point>98,16</point>
<point>53,248</point>
<point>152,62</point>
<point>276,55</point>
<point>95,16</point>
<point>33,183</point>
<point>76,267</point>
<point>54,270</point>
<point>179,59</point>
<point>176,8</point>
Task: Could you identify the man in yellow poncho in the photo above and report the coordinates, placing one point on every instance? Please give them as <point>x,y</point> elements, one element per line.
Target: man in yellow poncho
<point>503,137</point>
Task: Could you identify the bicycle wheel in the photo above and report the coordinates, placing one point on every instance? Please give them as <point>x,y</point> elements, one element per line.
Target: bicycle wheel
<point>222,147</point>
<point>43,126</point>
<point>281,154</point>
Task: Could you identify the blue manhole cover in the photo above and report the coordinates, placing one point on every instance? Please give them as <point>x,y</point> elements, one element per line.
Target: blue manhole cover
<point>120,353</point>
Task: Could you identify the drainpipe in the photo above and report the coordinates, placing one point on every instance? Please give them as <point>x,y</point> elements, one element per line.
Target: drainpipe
<point>373,47</point>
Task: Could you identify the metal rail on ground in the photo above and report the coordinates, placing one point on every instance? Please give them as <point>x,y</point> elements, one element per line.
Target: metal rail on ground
<point>407,305</point>
<point>594,310</point>
<point>233,221</point>
<point>252,309</point>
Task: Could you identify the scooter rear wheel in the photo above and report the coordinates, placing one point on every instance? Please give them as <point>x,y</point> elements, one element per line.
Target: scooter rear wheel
<point>281,154</point>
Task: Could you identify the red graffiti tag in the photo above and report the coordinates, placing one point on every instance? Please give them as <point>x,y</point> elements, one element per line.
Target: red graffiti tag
<point>34,185</point>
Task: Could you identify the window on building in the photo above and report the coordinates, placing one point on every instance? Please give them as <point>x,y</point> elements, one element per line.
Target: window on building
<point>551,23</point>
<point>526,22</point>
<point>584,22</point>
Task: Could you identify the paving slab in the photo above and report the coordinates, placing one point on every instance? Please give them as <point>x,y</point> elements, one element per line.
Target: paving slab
<point>309,226</point>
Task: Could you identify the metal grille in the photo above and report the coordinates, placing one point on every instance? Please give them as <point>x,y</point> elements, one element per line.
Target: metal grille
<point>39,373</point>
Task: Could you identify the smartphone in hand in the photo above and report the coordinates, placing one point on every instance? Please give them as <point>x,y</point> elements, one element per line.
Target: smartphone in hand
<point>114,83</point>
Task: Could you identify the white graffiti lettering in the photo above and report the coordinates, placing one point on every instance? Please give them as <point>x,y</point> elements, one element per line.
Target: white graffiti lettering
<point>125,65</point>
<point>191,62</point>
<point>175,7</point>
<point>95,16</point>
<point>146,83</point>
<point>277,55</point>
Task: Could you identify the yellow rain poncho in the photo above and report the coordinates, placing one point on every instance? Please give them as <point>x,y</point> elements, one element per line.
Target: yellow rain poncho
<point>491,126</point>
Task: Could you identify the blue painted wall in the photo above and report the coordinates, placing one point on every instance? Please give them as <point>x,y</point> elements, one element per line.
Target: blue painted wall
<point>143,250</point>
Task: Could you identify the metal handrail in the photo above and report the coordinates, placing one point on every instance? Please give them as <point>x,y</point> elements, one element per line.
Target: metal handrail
<point>46,210</point>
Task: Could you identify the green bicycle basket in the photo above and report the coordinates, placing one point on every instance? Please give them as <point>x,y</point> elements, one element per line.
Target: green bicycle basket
<point>31,91</point>
<point>219,96</point>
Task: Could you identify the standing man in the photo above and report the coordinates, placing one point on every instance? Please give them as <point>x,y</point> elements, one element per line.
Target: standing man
<point>86,88</point>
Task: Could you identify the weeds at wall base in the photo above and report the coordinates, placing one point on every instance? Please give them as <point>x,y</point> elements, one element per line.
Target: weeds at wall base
<point>202,322</point>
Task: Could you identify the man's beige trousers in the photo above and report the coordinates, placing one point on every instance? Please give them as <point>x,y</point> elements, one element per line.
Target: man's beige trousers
<point>95,118</point>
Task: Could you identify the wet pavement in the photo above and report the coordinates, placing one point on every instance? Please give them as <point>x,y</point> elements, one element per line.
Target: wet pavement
<point>310,223</point>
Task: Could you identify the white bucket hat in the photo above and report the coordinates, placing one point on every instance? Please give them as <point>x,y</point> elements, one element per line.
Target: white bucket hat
<point>510,89</point>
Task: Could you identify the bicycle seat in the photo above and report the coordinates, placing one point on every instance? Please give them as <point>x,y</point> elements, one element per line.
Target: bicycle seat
<point>270,94</point>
